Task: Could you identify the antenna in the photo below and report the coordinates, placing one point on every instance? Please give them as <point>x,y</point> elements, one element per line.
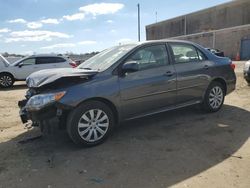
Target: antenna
<point>156,17</point>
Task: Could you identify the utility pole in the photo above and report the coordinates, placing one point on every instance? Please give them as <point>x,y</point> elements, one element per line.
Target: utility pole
<point>139,23</point>
<point>185,25</point>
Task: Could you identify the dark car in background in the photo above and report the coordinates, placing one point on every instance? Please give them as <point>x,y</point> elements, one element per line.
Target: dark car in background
<point>216,52</point>
<point>246,72</point>
<point>123,83</point>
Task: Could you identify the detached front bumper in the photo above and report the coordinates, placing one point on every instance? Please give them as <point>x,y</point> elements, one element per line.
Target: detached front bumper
<point>54,115</point>
<point>22,112</point>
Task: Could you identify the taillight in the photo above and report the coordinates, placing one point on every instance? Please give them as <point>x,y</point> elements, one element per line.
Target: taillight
<point>232,66</point>
<point>73,65</point>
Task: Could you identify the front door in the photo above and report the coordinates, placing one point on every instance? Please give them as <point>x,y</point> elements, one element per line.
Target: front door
<point>152,87</point>
<point>25,68</point>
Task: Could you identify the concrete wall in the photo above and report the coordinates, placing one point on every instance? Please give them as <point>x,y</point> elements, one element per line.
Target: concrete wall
<point>228,40</point>
<point>227,15</point>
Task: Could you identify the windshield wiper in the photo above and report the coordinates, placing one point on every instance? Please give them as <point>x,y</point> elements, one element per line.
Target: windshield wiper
<point>86,68</point>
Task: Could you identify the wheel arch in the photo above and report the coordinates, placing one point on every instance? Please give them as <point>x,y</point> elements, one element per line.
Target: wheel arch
<point>222,82</point>
<point>108,103</point>
<point>5,72</point>
<point>218,79</point>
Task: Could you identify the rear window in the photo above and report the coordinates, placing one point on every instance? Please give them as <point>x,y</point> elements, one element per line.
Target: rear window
<point>184,53</point>
<point>59,59</point>
<point>48,60</point>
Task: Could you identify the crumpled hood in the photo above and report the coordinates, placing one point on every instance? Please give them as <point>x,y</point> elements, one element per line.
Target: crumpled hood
<point>44,77</point>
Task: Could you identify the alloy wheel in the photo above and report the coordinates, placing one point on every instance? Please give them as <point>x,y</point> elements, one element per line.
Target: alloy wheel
<point>216,97</point>
<point>5,81</point>
<point>93,125</point>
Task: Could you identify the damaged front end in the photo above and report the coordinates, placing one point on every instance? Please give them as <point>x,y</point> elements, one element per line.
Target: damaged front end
<point>42,104</point>
<point>43,109</point>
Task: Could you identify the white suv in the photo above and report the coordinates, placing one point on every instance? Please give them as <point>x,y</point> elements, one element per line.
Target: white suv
<point>20,70</point>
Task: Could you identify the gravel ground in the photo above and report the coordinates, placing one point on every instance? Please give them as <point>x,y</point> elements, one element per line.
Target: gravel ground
<point>182,148</point>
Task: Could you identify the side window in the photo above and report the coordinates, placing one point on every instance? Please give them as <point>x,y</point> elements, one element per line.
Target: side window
<point>59,60</point>
<point>202,57</point>
<point>47,60</point>
<point>150,57</point>
<point>184,53</point>
<point>30,61</point>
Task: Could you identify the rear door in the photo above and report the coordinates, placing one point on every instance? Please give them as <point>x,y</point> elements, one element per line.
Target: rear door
<point>152,87</point>
<point>60,62</point>
<point>193,71</point>
<point>50,62</point>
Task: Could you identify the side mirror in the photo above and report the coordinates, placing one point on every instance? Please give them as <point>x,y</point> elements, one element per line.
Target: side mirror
<point>20,65</point>
<point>131,66</point>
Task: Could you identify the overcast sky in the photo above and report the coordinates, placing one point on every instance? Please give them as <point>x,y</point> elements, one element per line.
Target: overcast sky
<point>81,26</point>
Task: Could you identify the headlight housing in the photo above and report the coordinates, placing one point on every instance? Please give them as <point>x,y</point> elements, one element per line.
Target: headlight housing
<point>37,102</point>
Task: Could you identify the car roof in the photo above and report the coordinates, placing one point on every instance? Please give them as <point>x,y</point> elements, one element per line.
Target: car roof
<point>160,41</point>
<point>46,55</point>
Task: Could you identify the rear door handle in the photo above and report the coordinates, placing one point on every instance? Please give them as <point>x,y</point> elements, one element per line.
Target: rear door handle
<point>169,73</point>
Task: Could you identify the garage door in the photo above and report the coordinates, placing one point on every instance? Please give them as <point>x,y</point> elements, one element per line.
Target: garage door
<point>245,49</point>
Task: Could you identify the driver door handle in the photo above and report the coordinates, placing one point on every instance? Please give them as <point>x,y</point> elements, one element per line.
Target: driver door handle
<point>206,66</point>
<point>169,73</point>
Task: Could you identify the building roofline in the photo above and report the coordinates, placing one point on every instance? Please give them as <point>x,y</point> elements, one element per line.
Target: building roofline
<point>196,12</point>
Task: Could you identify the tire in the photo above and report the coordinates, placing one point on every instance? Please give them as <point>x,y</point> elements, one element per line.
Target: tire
<point>90,123</point>
<point>6,80</point>
<point>214,97</point>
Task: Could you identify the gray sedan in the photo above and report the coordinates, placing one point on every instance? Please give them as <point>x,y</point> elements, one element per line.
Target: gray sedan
<point>123,83</point>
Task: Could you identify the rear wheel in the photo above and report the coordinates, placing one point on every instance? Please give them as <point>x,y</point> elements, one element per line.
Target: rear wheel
<point>214,97</point>
<point>90,123</point>
<point>6,80</point>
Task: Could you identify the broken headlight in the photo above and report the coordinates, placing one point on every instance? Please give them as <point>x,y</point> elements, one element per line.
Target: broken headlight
<point>37,102</point>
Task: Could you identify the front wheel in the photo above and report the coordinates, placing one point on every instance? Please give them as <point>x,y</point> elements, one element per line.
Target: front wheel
<point>214,97</point>
<point>90,123</point>
<point>6,80</point>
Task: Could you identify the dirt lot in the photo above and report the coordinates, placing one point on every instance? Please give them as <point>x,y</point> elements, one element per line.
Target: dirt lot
<point>182,148</point>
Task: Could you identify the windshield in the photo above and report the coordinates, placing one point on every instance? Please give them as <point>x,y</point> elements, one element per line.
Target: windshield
<point>106,58</point>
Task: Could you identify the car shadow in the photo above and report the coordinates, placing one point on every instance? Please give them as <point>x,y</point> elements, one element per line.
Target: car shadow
<point>157,151</point>
<point>18,86</point>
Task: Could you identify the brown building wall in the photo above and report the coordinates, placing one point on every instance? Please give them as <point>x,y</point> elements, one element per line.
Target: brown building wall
<point>208,22</point>
<point>227,15</point>
<point>228,40</point>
